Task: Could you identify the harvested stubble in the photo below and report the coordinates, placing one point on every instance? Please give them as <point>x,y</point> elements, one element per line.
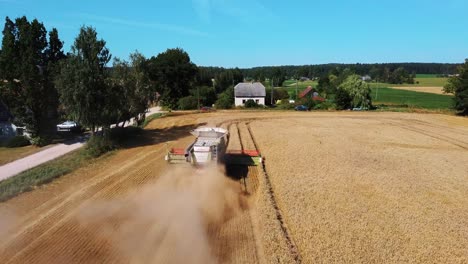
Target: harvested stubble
<point>246,140</point>
<point>42,227</point>
<point>270,235</point>
<point>234,140</point>
<point>390,188</point>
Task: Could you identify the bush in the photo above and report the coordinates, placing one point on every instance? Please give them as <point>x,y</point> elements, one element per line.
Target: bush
<point>286,106</point>
<point>325,106</point>
<point>17,141</point>
<point>98,145</point>
<point>224,102</point>
<point>343,99</point>
<point>40,141</point>
<point>250,104</point>
<point>188,103</point>
<point>311,104</point>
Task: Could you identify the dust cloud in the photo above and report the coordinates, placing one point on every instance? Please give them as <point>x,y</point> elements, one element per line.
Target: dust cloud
<point>167,221</point>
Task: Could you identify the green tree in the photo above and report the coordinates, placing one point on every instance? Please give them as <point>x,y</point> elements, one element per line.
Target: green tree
<point>458,85</point>
<point>138,92</point>
<point>206,94</point>
<point>188,103</point>
<point>83,82</point>
<point>28,64</point>
<point>278,94</point>
<point>343,99</point>
<point>174,75</point>
<point>225,99</point>
<point>250,104</point>
<point>358,90</point>
<point>278,77</point>
<point>228,78</point>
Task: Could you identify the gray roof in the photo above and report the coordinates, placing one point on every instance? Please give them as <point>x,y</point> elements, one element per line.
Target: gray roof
<point>249,90</point>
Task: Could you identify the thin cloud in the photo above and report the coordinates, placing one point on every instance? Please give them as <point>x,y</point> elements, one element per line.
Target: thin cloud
<point>160,26</point>
<point>203,9</point>
<point>242,10</point>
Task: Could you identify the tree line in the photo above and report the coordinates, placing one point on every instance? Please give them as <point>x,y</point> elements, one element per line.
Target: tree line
<point>41,84</point>
<point>320,70</point>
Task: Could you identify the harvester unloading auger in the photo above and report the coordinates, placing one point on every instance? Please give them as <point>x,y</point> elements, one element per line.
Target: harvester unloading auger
<point>210,146</point>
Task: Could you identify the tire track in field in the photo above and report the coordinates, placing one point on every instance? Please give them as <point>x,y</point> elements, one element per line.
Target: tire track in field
<point>235,241</point>
<point>289,239</point>
<point>447,139</point>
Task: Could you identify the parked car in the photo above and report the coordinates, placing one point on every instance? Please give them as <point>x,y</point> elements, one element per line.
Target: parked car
<point>69,126</point>
<point>360,108</point>
<point>206,109</point>
<point>301,108</point>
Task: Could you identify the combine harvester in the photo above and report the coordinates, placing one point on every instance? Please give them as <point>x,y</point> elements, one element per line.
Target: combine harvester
<point>210,147</point>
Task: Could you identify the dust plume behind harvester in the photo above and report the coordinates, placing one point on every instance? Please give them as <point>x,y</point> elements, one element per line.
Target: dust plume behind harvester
<point>210,147</point>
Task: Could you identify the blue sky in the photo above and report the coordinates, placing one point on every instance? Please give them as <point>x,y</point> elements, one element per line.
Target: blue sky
<point>247,33</point>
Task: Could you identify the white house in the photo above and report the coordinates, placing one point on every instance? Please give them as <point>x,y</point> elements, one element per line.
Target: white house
<point>246,91</point>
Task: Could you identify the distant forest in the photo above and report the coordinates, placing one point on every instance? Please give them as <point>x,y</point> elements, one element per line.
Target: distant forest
<point>320,70</point>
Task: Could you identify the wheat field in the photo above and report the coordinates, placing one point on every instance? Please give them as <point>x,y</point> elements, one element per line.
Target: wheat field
<point>338,187</point>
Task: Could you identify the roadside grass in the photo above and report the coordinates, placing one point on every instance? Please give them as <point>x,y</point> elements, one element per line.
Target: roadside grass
<point>409,99</point>
<point>47,172</point>
<point>150,118</point>
<point>42,174</point>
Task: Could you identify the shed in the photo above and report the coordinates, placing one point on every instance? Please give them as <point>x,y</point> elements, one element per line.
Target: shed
<point>249,91</point>
<point>310,93</point>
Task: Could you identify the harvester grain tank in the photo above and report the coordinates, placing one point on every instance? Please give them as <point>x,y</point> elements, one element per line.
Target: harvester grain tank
<point>210,146</point>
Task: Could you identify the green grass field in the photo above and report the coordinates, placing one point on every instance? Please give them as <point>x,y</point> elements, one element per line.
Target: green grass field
<point>290,86</point>
<point>403,98</point>
<point>383,95</point>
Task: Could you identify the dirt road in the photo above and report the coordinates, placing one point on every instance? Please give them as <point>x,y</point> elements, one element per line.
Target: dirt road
<point>13,168</point>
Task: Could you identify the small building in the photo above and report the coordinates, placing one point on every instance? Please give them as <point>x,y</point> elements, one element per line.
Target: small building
<point>7,128</point>
<point>366,78</point>
<point>249,91</point>
<point>309,92</point>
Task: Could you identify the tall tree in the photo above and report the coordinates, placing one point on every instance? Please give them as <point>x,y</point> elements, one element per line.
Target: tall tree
<point>278,77</point>
<point>138,92</point>
<point>82,82</point>
<point>174,75</point>
<point>27,63</point>
<point>359,91</point>
<point>458,85</point>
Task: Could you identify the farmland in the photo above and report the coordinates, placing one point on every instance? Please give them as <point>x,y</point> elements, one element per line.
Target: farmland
<point>344,187</point>
<point>410,98</point>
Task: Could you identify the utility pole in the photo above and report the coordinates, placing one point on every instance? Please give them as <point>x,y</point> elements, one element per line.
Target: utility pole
<point>198,97</point>
<point>271,84</point>
<point>297,81</point>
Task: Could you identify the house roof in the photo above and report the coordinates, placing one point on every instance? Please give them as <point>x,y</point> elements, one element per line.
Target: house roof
<point>315,96</point>
<point>305,92</point>
<point>255,89</point>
